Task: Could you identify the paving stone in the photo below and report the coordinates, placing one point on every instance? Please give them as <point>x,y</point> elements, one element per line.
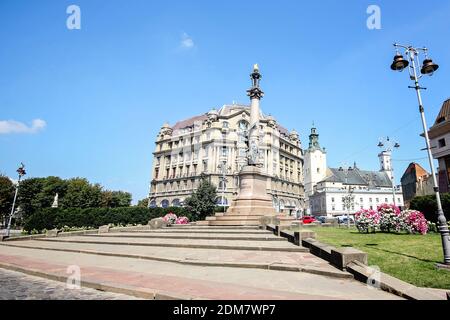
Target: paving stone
<point>18,286</point>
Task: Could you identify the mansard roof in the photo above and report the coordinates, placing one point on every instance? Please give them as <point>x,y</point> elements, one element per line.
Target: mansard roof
<point>355,176</point>
<point>225,111</point>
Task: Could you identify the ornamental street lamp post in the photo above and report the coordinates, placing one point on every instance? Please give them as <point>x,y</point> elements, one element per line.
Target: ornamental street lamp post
<point>427,68</point>
<point>349,198</point>
<point>224,170</point>
<point>388,145</point>
<point>21,172</point>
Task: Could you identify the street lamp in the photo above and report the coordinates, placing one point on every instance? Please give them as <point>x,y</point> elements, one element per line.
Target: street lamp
<point>224,170</point>
<point>21,172</point>
<point>427,68</point>
<point>349,198</point>
<point>388,145</point>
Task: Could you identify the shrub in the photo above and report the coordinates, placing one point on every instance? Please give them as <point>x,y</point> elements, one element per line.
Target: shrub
<point>414,222</point>
<point>389,218</point>
<point>51,218</point>
<point>202,202</point>
<point>427,205</point>
<point>367,220</point>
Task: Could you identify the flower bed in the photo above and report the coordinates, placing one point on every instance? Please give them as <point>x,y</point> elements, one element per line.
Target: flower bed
<point>389,218</point>
<point>172,218</point>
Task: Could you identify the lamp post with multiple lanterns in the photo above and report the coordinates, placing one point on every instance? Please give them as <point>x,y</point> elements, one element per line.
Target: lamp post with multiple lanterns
<point>428,67</point>
<point>21,172</point>
<point>349,199</point>
<point>224,169</point>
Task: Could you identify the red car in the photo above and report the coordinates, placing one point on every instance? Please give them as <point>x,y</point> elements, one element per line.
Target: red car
<point>308,220</point>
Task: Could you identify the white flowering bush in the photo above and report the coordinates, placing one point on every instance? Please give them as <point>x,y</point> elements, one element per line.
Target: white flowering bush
<point>367,220</point>
<point>389,218</point>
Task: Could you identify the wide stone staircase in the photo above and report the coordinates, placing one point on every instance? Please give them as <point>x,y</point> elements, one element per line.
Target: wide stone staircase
<point>233,218</point>
<point>185,262</point>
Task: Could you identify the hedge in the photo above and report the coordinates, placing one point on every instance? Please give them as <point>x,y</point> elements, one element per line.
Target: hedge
<point>51,218</point>
<point>427,205</point>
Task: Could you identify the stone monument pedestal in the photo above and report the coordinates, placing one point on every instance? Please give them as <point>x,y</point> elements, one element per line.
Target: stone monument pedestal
<point>251,205</point>
<point>253,198</point>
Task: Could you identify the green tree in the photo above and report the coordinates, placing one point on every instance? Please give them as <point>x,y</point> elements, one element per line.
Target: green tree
<point>38,193</point>
<point>6,197</point>
<point>81,194</point>
<point>29,199</point>
<point>116,199</point>
<point>203,201</point>
<point>143,203</point>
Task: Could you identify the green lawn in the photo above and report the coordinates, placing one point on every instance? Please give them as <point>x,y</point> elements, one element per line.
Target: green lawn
<point>410,258</point>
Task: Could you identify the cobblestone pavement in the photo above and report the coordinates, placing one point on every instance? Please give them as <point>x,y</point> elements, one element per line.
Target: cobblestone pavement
<point>19,286</point>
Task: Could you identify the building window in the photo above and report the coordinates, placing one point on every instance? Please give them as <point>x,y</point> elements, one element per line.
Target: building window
<point>332,200</point>
<point>377,200</point>
<point>224,151</point>
<point>165,203</point>
<point>222,185</point>
<point>386,200</point>
<point>441,143</point>
<point>225,124</point>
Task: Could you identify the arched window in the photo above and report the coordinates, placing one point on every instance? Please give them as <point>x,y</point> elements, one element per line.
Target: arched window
<point>222,201</point>
<point>165,203</point>
<point>152,204</point>
<point>176,203</point>
<point>281,204</point>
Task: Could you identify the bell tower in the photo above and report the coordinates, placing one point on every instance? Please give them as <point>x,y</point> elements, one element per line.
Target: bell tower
<point>315,169</point>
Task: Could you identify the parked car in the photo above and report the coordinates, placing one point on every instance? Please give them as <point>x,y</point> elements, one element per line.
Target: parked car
<point>308,219</point>
<point>321,219</point>
<point>343,219</point>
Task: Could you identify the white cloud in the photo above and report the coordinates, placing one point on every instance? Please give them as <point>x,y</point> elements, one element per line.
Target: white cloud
<point>11,126</point>
<point>186,41</point>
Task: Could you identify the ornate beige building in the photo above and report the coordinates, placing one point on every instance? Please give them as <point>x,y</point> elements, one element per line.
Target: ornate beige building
<point>214,146</point>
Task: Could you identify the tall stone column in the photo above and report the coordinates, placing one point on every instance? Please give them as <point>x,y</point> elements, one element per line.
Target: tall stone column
<point>255,93</point>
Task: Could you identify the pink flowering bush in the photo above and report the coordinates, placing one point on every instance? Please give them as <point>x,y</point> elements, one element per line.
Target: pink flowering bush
<point>182,220</point>
<point>389,218</point>
<point>367,220</point>
<point>170,218</point>
<point>414,222</point>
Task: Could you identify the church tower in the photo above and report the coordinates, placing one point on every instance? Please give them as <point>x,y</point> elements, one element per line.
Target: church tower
<point>386,162</point>
<point>315,168</point>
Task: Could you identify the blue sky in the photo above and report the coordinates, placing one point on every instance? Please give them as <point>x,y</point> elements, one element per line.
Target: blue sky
<point>105,90</point>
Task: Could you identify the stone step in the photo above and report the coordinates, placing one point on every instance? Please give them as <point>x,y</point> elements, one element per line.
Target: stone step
<point>235,217</point>
<point>192,235</point>
<point>199,231</point>
<point>264,245</point>
<point>206,227</point>
<point>223,223</point>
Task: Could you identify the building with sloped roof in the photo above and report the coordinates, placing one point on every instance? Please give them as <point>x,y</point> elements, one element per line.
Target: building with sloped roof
<point>439,135</point>
<point>214,146</point>
<point>326,188</point>
<point>416,181</point>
